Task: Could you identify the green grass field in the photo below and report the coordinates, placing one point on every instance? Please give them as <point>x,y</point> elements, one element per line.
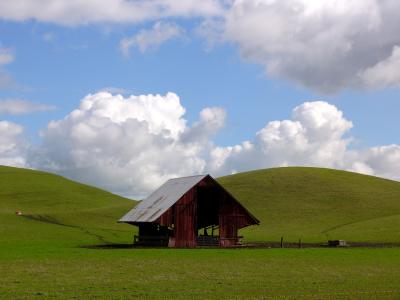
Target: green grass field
<point>201,274</point>
<point>42,254</point>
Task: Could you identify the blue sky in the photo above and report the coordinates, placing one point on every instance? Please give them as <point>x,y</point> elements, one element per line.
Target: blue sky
<point>214,58</point>
<point>78,61</point>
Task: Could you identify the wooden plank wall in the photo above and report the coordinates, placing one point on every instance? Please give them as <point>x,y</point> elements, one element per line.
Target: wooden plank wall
<point>183,216</point>
<point>185,220</point>
<point>167,218</point>
<point>232,217</point>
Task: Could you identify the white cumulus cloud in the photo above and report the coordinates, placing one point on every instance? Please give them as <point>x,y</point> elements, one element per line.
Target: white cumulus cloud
<point>12,146</point>
<point>326,46</point>
<point>131,144</point>
<point>314,137</point>
<point>380,160</point>
<point>127,145</point>
<point>152,38</point>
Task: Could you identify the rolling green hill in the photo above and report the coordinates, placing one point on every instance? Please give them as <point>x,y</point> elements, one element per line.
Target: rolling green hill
<point>309,203</point>
<point>317,204</point>
<point>57,211</point>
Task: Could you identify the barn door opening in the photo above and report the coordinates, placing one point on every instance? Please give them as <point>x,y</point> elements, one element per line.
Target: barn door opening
<point>207,215</point>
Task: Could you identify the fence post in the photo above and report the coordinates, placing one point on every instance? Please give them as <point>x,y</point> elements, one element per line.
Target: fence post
<point>282,242</point>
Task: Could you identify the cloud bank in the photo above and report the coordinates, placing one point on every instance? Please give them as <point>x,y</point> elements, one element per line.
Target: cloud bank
<point>130,145</point>
<point>12,146</point>
<point>325,46</point>
<point>127,145</point>
<point>313,137</point>
<point>83,12</point>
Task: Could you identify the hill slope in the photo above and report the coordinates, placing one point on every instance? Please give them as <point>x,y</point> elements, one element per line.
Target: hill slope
<point>318,204</point>
<point>309,203</point>
<point>57,211</point>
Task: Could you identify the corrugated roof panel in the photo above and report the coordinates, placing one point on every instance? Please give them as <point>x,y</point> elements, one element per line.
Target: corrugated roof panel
<point>151,208</point>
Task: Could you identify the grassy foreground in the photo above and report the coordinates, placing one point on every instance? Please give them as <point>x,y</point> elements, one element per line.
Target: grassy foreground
<point>202,274</point>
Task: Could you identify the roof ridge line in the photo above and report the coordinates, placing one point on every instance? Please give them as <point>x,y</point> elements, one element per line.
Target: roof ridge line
<point>200,175</point>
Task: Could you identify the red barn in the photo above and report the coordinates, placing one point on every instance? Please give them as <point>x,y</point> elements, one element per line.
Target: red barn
<point>189,212</point>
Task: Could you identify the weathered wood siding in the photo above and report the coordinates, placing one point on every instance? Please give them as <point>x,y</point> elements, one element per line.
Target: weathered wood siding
<point>232,217</point>
<point>185,231</point>
<point>167,218</point>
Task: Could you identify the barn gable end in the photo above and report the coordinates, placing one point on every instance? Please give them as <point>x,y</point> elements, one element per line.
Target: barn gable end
<point>182,212</point>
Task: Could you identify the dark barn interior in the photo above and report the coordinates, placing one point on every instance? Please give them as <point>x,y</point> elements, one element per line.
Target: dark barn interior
<point>189,212</point>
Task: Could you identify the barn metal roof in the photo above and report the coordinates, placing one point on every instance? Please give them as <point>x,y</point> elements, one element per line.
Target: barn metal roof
<point>151,208</point>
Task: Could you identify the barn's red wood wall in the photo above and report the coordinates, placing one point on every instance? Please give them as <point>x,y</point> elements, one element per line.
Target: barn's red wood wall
<point>185,231</point>
<point>232,217</point>
<point>183,215</point>
<point>166,219</point>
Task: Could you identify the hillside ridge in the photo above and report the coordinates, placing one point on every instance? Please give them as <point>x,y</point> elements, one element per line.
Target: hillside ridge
<point>317,204</point>
<point>314,204</point>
